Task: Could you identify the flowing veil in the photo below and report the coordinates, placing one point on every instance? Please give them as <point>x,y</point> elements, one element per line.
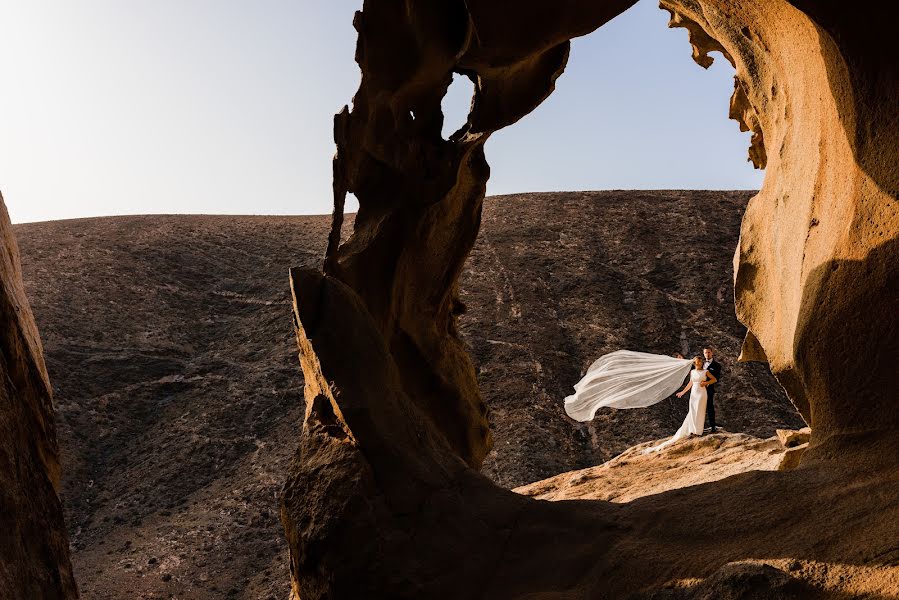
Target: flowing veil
<point>626,379</point>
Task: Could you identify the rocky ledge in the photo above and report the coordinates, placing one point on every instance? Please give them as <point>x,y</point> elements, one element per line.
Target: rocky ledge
<point>636,473</point>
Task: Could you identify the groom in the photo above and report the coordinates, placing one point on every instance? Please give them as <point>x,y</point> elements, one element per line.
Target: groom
<point>714,367</point>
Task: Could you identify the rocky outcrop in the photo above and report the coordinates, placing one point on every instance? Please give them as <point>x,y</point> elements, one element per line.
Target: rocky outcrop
<point>634,478</point>
<point>420,195</point>
<point>383,497</point>
<point>388,509</point>
<point>634,474</point>
<point>792,457</point>
<point>816,264</point>
<point>791,438</point>
<point>34,553</point>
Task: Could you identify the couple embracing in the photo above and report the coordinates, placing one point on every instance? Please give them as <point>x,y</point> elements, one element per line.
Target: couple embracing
<point>628,379</point>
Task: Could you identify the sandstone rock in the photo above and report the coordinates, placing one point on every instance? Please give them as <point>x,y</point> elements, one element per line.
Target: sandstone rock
<point>752,581</point>
<point>34,553</point>
<point>694,461</point>
<point>792,457</point>
<point>386,508</point>
<point>816,267</point>
<point>745,580</point>
<point>633,474</point>
<point>419,195</point>
<point>792,437</point>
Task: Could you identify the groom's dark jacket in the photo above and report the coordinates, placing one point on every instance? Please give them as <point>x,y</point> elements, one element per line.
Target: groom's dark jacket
<point>715,370</point>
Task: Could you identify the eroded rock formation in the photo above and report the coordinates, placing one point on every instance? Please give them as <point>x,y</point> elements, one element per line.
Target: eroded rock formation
<point>420,195</point>
<point>816,276</point>
<point>34,553</point>
<point>383,498</point>
<point>699,460</point>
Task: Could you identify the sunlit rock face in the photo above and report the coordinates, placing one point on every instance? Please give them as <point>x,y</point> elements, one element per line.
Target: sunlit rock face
<point>383,498</point>
<point>816,270</point>
<point>34,552</point>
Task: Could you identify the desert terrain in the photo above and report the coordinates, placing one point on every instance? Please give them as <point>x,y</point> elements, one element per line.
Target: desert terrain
<point>179,397</point>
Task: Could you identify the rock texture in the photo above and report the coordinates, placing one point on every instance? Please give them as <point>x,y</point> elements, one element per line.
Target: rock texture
<point>383,497</point>
<point>790,438</point>
<point>638,480</point>
<point>816,267</point>
<point>409,518</point>
<point>633,474</point>
<point>420,195</point>
<point>34,553</point>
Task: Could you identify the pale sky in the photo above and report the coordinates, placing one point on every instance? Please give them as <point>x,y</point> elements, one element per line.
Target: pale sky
<point>224,107</point>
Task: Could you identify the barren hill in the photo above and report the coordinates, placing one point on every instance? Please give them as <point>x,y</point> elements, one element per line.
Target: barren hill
<point>179,397</point>
<point>558,279</point>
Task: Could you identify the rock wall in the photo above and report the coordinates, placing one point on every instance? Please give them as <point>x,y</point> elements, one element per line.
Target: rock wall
<point>816,274</point>
<point>383,497</point>
<point>34,553</point>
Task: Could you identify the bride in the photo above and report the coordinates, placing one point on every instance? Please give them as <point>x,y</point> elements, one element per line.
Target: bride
<point>628,379</point>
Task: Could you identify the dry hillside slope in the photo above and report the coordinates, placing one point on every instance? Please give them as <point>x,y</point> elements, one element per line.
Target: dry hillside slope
<point>558,279</point>
<point>179,396</point>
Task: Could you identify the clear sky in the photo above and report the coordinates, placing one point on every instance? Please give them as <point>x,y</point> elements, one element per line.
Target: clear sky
<point>225,106</point>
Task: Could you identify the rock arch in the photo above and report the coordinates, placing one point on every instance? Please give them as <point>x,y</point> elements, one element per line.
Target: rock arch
<point>384,498</point>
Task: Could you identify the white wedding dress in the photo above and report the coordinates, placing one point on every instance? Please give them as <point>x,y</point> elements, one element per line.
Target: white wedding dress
<point>695,421</point>
<point>628,379</point>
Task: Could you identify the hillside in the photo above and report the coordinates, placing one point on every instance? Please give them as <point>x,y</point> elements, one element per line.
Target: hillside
<point>558,279</point>
<point>169,345</point>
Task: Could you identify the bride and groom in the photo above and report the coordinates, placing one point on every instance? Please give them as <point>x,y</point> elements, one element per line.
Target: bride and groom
<point>628,379</point>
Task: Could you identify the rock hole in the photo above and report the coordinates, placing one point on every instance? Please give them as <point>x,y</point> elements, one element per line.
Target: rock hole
<point>352,204</point>
<point>456,104</point>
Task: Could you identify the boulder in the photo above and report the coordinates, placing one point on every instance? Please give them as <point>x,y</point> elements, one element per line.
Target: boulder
<point>791,438</point>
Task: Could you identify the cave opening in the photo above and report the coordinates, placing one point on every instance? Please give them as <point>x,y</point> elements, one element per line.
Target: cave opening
<point>456,104</point>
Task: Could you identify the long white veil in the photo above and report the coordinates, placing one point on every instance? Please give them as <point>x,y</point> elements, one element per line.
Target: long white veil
<point>626,379</point>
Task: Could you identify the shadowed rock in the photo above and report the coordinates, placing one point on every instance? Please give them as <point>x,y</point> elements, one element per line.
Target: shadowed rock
<point>34,553</point>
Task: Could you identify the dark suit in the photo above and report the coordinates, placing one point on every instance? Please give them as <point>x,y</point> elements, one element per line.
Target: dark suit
<point>715,369</point>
